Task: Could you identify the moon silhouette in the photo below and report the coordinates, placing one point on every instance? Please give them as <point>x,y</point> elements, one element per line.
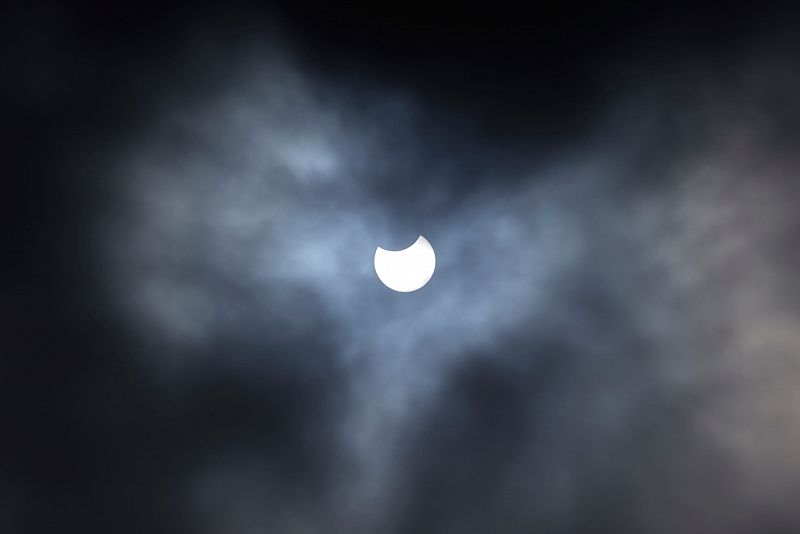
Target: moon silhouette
<point>408,269</point>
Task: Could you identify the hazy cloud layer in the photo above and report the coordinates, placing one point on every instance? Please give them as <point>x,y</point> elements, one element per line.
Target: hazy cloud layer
<point>608,343</point>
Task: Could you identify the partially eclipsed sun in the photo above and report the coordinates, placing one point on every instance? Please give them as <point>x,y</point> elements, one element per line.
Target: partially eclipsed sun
<point>408,269</point>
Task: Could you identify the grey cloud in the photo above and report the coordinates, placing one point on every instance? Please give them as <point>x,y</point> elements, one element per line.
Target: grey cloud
<point>601,346</point>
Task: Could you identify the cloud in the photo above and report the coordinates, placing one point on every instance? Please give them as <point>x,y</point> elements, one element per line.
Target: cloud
<point>607,343</point>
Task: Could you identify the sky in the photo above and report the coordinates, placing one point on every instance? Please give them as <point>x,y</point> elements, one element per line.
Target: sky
<point>195,337</point>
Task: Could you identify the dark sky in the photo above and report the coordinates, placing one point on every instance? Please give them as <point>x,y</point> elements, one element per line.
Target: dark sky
<point>194,338</point>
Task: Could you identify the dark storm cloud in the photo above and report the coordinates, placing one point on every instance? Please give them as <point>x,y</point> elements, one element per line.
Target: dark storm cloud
<point>608,343</point>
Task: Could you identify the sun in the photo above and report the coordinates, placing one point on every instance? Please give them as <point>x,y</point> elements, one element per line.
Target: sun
<point>408,269</point>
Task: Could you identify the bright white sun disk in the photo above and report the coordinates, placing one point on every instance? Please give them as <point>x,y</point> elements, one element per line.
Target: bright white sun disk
<point>408,269</point>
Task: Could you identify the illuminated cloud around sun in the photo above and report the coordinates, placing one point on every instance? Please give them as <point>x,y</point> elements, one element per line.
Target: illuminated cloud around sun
<point>253,213</point>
